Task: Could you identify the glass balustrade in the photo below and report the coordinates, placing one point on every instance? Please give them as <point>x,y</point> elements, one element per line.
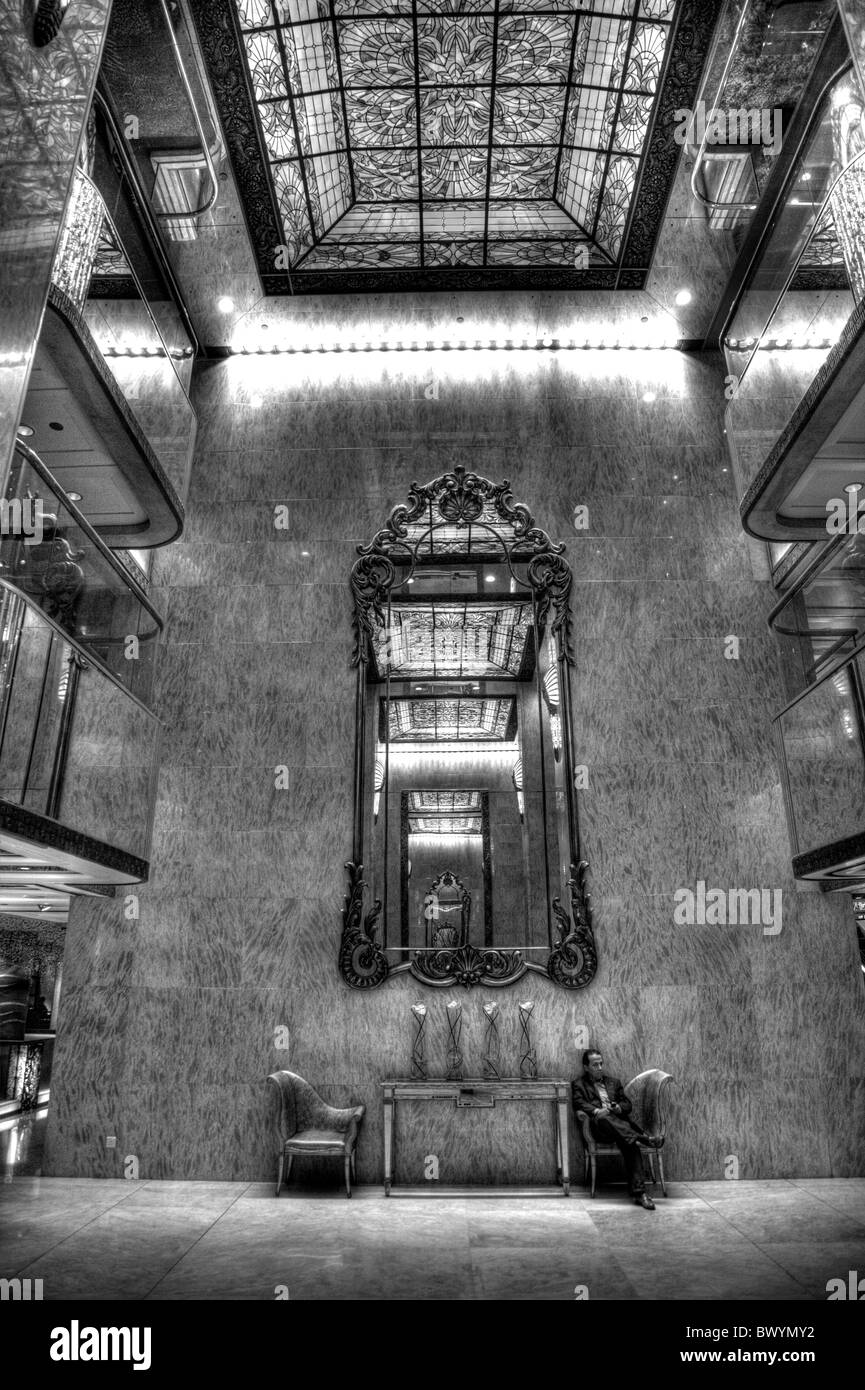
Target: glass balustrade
<point>822,743</point>
<point>762,60</point>
<point>807,282</point>
<point>152,74</point>
<point>49,552</point>
<point>823,616</point>
<point>74,744</point>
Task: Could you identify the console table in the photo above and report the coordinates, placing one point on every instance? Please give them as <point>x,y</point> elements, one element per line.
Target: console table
<point>476,1093</point>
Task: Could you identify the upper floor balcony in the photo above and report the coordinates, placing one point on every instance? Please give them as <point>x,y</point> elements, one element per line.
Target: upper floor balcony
<point>78,744</point>
<point>793,332</point>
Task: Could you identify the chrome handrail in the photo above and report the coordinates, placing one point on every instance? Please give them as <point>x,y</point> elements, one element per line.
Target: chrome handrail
<point>701,150</point>
<point>211,168</point>
<point>31,457</point>
<point>133,178</point>
<point>812,568</point>
<point>827,675</point>
<point>86,656</point>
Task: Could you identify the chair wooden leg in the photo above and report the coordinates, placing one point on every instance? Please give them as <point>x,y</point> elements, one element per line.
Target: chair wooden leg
<point>348,1175</point>
<point>280,1172</point>
<point>353,1167</point>
<point>594,1172</point>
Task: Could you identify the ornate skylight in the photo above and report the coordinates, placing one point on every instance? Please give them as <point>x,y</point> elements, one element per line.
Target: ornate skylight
<point>445,813</point>
<point>442,719</point>
<point>452,640</point>
<point>410,134</point>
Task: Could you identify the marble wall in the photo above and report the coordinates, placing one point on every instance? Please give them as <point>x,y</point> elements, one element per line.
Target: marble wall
<point>171,1019</point>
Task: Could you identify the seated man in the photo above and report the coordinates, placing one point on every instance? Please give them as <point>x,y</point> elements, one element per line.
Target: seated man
<point>603,1099</point>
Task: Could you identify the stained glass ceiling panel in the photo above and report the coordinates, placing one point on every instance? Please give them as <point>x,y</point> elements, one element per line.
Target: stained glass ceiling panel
<point>445,813</point>
<point>454,132</point>
<point>445,720</point>
<point>453,641</point>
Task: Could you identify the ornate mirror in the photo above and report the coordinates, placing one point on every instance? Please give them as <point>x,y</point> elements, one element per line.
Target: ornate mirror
<point>466,865</point>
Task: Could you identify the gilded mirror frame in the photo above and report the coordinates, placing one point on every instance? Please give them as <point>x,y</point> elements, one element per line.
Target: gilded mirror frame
<point>459,499</point>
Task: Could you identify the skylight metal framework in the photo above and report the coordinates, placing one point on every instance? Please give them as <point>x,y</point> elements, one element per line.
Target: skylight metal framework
<point>445,813</point>
<point>430,134</point>
<point>442,719</point>
<point>455,641</point>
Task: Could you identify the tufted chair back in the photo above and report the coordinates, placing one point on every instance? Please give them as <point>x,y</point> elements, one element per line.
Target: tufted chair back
<point>646,1094</point>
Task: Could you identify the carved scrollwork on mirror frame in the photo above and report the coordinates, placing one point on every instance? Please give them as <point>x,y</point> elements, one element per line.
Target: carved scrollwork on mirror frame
<point>464,654</point>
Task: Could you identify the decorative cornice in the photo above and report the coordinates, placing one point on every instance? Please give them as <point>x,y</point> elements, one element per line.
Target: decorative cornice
<point>820,277</point>
<point>685,59</point>
<point>219,37</point>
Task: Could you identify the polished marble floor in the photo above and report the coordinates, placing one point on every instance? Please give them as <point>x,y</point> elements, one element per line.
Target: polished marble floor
<point>109,1239</point>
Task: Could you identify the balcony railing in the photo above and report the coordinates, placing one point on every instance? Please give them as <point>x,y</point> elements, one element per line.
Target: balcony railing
<point>821,741</point>
<point>65,567</point>
<point>759,67</point>
<point>803,291</point>
<point>821,616</point>
<point>75,745</point>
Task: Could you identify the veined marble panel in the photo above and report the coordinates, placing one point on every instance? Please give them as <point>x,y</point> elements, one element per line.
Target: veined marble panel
<point>230,971</point>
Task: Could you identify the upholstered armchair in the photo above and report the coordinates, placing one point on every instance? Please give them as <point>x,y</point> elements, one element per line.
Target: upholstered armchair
<point>646,1094</point>
<point>310,1128</point>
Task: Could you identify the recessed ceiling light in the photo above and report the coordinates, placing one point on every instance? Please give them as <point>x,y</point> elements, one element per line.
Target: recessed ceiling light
<point>74,496</point>
<point>409,581</point>
<point>54,425</point>
<point>683,297</point>
<point>25,431</point>
<point>853,487</point>
<point>490,578</point>
<point>225,305</point>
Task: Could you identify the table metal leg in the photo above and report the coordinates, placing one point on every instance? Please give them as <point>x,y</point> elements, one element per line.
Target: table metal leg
<point>562,1107</point>
<point>388,1143</point>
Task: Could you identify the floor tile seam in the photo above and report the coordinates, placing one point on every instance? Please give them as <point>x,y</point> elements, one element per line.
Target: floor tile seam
<point>78,1229</point>
<point>767,1255</point>
<point>199,1238</point>
<point>839,1210</point>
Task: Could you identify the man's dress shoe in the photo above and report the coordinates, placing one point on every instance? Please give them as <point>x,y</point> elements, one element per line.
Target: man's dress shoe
<point>644,1200</point>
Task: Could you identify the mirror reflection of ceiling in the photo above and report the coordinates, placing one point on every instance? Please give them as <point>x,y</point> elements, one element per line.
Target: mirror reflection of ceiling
<point>430,134</point>
<point>454,640</point>
<point>443,719</point>
<point>445,813</point>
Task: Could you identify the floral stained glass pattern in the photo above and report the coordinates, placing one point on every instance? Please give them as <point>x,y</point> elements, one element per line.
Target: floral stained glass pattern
<point>438,133</point>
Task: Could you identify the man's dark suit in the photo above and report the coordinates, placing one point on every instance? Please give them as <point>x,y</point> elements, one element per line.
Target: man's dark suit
<point>613,1129</point>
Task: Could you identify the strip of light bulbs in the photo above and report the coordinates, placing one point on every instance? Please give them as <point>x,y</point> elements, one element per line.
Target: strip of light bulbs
<point>460,345</point>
